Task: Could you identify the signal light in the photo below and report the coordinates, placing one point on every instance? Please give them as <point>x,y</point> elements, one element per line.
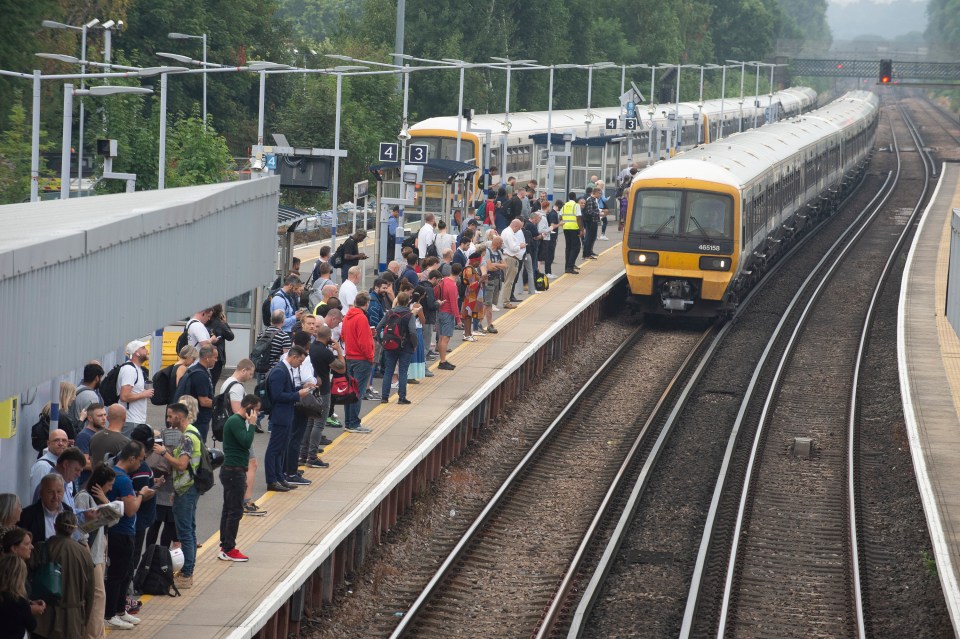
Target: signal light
<point>839,66</point>
<point>886,71</point>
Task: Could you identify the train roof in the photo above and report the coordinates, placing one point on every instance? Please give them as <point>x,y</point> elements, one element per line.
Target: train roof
<point>740,158</point>
<point>530,122</point>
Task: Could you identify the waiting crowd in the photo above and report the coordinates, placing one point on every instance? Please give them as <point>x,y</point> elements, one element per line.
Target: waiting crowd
<point>114,500</point>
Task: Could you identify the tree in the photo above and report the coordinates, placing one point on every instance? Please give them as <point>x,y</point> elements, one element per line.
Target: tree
<point>15,151</point>
<point>197,155</point>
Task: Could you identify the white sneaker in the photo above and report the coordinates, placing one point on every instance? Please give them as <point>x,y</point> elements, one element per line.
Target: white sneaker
<point>602,237</point>
<point>129,618</point>
<point>496,309</point>
<point>119,624</point>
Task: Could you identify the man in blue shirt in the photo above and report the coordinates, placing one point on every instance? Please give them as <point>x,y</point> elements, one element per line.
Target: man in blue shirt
<point>392,224</point>
<point>120,545</point>
<point>287,299</point>
<point>197,383</point>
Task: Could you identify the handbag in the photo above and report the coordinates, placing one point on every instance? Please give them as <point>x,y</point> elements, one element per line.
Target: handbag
<point>46,579</point>
<point>344,390</point>
<point>311,406</point>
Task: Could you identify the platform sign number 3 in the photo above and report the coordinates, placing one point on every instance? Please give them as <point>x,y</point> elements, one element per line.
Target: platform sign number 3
<point>417,154</point>
<point>389,152</point>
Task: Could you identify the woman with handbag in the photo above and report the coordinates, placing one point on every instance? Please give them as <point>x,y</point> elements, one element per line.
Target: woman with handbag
<point>18,614</point>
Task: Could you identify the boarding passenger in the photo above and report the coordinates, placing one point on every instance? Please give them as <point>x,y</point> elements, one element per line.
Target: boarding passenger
<point>352,253</point>
<point>287,299</point>
<point>143,477</point>
<point>492,273</point>
<point>398,358</point>
<point>238,434</point>
<point>359,352</point>
<point>320,283</point>
<point>447,312</point>
<point>132,385</point>
<point>304,372</point>
<point>56,444</point>
<point>69,466</point>
<point>38,518</point>
<point>591,220</point>
<point>219,328</point>
<point>392,225</point>
<point>197,332</point>
<point>234,387</point>
<point>94,494</point>
<point>285,390</point>
<point>424,294</point>
<point>514,247</point>
<point>184,459</point>
<point>294,270</point>
<point>197,383</point>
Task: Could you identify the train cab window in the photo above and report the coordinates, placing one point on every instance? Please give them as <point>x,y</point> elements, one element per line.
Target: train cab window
<point>446,148</point>
<point>708,214</point>
<point>657,212</point>
<point>683,213</point>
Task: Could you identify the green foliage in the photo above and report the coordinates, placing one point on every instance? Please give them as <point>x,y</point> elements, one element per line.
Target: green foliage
<point>943,23</point>
<point>197,154</point>
<point>929,563</point>
<point>15,150</point>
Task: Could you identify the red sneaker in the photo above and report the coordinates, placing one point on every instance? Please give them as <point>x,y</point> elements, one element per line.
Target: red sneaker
<point>233,555</point>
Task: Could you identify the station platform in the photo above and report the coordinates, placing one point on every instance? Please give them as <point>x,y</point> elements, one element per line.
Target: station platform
<point>316,535</point>
<point>928,352</point>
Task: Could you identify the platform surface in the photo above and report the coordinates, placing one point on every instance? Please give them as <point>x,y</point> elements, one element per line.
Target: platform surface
<point>310,520</point>
<point>928,350</point>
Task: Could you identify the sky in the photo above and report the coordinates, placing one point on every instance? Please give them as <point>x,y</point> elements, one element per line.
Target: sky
<point>845,2</point>
<point>849,19</point>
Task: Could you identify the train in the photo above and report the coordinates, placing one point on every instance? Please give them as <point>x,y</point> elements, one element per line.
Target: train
<point>703,227</point>
<point>482,136</point>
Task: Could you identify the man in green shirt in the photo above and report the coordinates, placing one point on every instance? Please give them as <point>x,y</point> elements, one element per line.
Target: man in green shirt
<point>238,434</point>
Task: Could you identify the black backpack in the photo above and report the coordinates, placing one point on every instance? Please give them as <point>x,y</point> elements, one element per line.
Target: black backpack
<point>265,307</point>
<point>108,386</point>
<point>395,330</point>
<point>154,576</point>
<point>260,355</point>
<point>164,385</point>
<point>184,338</point>
<point>262,391</point>
<point>203,478</point>
<point>337,260</point>
<point>222,411</point>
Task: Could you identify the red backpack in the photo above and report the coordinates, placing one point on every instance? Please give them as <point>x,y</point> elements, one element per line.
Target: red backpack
<point>394,330</point>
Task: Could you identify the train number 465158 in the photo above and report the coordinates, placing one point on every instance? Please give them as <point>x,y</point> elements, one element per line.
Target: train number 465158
<point>709,247</point>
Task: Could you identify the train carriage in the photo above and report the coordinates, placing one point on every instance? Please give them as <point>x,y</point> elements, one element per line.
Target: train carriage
<point>702,227</point>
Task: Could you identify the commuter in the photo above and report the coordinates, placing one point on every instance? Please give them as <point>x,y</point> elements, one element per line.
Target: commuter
<point>531,257</point>
<point>591,220</point>
<point>321,280</point>
<point>173,440</point>
<point>287,299</point>
<point>549,246</point>
<point>188,356</point>
<point>501,210</point>
<point>348,290</point>
<point>444,240</point>
<point>10,510</point>
<point>425,296</point>
<point>591,185</point>
<point>234,387</point>
<point>17,541</point>
<point>197,383</point>
<point>325,355</point>
<point>514,207</point>
<point>69,466</point>
<point>219,328</point>
<point>294,270</point>
<point>122,535</point>
<point>67,618</point>
<point>95,494</point>
<point>524,204</point>
<point>66,423</point>
<point>131,384</point>
<point>19,614</point>
<point>237,442</point>
<point>105,445</point>
<point>410,272</point>
<point>304,372</point>
<point>399,358</point>
<point>493,271</point>
<point>603,203</point>
<point>446,261</point>
<point>359,352</point>
<point>56,444</point>
<point>446,314</point>
<point>572,219</point>
<point>95,422</point>
<point>196,328</point>
<point>280,341</point>
<point>352,253</point>
<point>143,477</point>
<point>285,390</point>
<point>87,392</point>
<point>513,250</point>
<point>392,226</point>
<point>184,459</point>
<point>329,292</point>
<point>427,235</point>
<point>418,361</point>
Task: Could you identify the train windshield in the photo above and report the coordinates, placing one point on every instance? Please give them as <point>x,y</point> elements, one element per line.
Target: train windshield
<point>665,212</point>
<point>446,148</point>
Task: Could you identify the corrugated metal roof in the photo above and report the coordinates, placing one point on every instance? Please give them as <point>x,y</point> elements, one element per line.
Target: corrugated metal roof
<point>82,277</point>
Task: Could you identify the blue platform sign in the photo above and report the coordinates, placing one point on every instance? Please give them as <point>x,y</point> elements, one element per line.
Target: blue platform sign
<point>631,109</point>
<point>271,163</point>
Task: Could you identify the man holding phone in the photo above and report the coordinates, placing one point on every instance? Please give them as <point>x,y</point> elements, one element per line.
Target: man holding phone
<point>237,439</point>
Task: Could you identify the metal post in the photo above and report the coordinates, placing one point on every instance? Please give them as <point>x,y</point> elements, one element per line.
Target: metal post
<point>723,95</point>
<point>700,108</point>
<point>743,75</point>
<point>623,78</point>
<point>35,141</point>
<point>336,166</point>
<point>770,102</point>
<point>589,96</point>
<point>756,99</point>
<point>398,41</point>
<point>162,169</point>
<point>651,111</point>
<point>205,83</point>
<point>67,134</point>
<point>676,141</point>
<point>460,112</point>
<point>54,405</point>
<point>403,157</point>
<point>506,131</point>
<point>551,160</point>
<point>263,91</point>
<point>83,70</point>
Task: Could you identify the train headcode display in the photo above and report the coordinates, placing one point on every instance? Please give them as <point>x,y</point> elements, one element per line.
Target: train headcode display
<point>417,153</point>
<point>389,152</point>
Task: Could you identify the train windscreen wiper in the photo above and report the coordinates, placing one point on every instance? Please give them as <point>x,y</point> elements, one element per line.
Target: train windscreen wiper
<point>656,233</point>
<point>706,235</point>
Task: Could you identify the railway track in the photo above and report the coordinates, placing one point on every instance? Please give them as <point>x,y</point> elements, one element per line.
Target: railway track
<point>780,554</point>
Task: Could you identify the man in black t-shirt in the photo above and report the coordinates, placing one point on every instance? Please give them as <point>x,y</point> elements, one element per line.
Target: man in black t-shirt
<point>325,356</point>
<point>352,253</point>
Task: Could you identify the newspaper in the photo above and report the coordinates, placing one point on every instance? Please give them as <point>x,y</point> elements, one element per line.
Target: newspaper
<point>106,515</point>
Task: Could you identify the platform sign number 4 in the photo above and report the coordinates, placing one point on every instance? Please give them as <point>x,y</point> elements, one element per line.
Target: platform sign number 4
<point>389,152</point>
<point>610,124</point>
<point>417,154</point>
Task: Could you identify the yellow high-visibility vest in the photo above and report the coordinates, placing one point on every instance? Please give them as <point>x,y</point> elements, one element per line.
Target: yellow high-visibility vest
<point>569,215</point>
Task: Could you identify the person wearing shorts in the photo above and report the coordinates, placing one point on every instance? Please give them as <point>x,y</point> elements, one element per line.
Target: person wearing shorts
<point>492,269</point>
<point>448,296</point>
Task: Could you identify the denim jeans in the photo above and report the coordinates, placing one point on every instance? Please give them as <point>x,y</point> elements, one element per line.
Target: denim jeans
<point>393,358</point>
<point>292,456</point>
<point>185,512</point>
<point>234,482</point>
<point>276,450</point>
<point>360,370</point>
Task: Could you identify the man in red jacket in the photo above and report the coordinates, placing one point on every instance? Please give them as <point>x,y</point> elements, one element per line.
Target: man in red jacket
<point>358,342</point>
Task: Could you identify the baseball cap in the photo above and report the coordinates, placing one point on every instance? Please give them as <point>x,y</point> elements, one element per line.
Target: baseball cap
<point>134,345</point>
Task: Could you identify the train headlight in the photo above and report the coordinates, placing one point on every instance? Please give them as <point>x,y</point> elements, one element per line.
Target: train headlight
<point>643,258</point>
<point>711,263</point>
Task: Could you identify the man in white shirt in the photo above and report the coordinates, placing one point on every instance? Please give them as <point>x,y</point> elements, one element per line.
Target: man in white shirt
<point>131,385</point>
<point>513,249</point>
<point>197,333</point>
<point>348,290</point>
<point>426,236</point>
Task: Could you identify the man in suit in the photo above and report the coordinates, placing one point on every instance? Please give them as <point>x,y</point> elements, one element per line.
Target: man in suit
<point>40,517</point>
<point>285,389</point>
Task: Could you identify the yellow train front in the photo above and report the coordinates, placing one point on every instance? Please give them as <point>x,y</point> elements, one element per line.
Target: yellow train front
<point>703,227</point>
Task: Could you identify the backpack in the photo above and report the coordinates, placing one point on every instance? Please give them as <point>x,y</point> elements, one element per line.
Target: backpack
<point>203,475</point>
<point>262,391</point>
<point>432,248</point>
<point>337,260</point>
<point>260,355</point>
<point>265,307</point>
<point>164,385</point>
<point>184,338</point>
<point>108,387</point>
<point>154,576</point>
<point>40,433</point>
<point>394,330</point>
<point>222,411</point>
<point>542,283</point>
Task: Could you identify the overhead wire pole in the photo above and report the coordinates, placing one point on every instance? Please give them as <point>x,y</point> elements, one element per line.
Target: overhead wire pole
<point>743,73</point>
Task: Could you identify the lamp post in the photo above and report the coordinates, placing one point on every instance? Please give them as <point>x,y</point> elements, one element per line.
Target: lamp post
<point>743,71</point>
<point>756,98</point>
<point>508,64</point>
<point>186,36</point>
<point>679,120</point>
<point>703,68</point>
<point>68,93</point>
